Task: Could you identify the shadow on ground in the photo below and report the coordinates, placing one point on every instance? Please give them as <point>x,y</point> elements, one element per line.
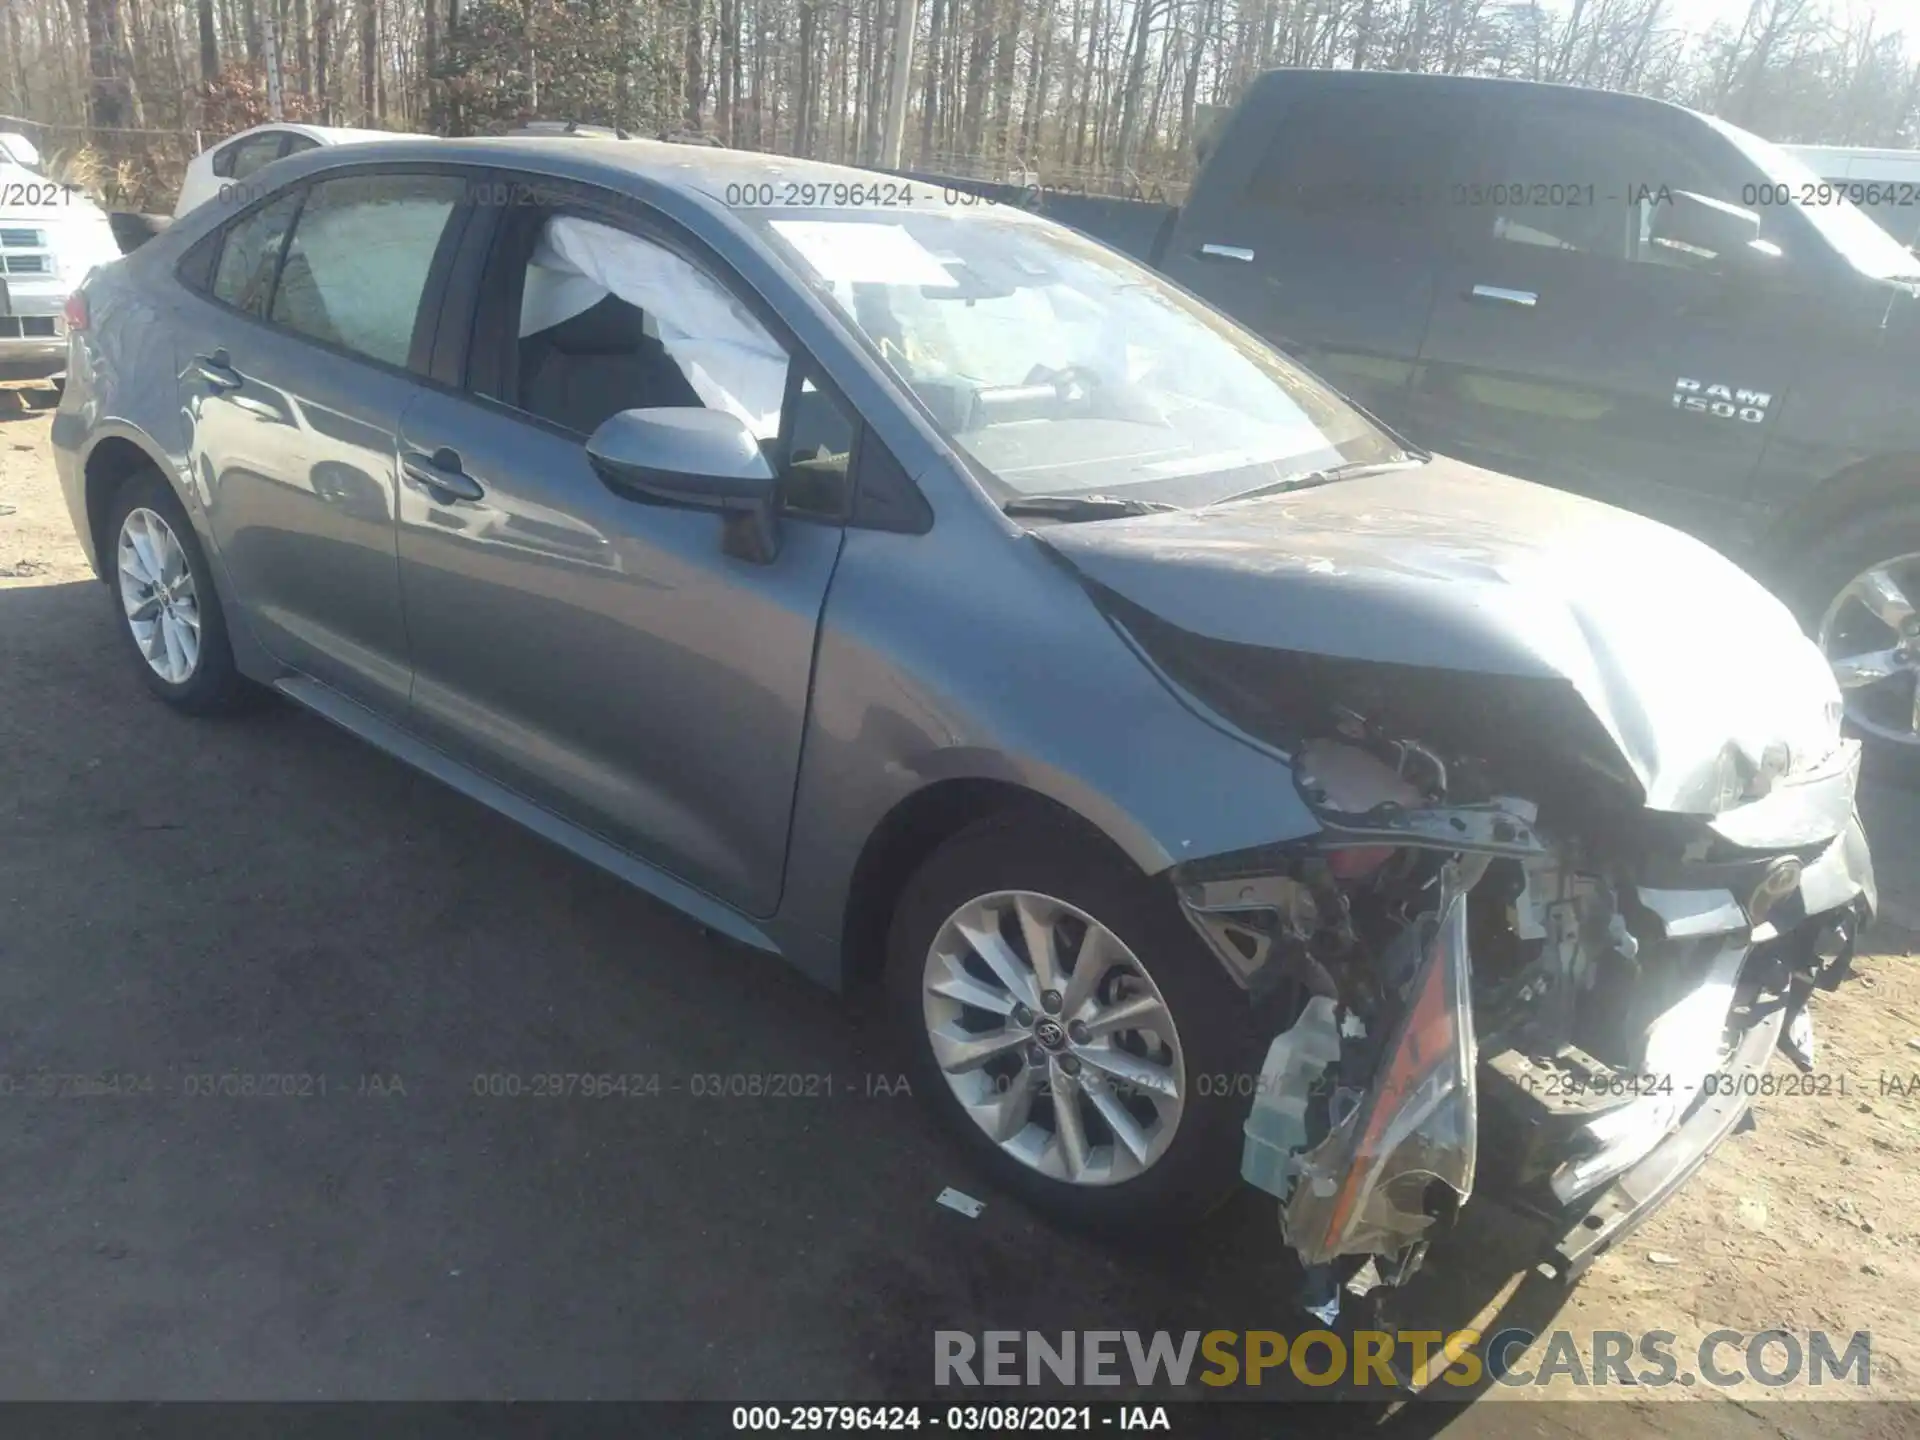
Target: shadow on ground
<point>326,990</point>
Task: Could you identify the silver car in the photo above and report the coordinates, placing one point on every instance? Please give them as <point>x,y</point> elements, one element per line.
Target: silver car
<point>912,588</point>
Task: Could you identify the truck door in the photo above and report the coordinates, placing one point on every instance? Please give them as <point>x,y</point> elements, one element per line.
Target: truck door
<point>1321,221</point>
<point>1566,346</point>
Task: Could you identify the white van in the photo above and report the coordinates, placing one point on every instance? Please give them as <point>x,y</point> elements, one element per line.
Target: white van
<point>1884,183</point>
<point>51,235</point>
<point>227,165</point>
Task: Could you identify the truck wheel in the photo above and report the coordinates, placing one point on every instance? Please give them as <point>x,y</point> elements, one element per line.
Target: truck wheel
<point>1070,1026</point>
<point>1860,599</point>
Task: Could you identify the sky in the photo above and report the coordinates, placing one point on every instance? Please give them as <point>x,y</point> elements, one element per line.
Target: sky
<point>1697,15</point>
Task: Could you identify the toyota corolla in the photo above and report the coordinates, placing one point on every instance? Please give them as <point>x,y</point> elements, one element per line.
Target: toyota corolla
<point>1223,788</point>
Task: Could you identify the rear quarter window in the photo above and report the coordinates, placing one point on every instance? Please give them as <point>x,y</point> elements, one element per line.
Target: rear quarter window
<point>240,158</point>
<point>250,254</point>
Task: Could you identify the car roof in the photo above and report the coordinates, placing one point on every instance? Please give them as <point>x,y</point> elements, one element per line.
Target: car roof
<point>343,135</point>
<point>1416,82</point>
<point>707,172</point>
<point>325,134</point>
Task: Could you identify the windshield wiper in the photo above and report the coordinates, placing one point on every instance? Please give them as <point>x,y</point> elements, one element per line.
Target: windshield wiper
<point>1306,479</point>
<point>1083,507</point>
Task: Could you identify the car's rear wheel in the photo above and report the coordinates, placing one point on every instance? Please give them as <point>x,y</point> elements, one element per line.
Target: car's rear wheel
<point>1860,598</point>
<point>1070,1026</point>
<point>163,589</point>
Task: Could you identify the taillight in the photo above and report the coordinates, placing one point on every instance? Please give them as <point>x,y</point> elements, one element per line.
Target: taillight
<point>76,311</point>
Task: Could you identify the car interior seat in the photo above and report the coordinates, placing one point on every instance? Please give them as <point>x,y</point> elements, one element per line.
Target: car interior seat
<point>596,364</point>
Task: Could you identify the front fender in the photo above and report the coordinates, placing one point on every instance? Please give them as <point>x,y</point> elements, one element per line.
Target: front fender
<point>988,661</point>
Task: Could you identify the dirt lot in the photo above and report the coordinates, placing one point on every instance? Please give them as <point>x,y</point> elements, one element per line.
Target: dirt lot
<point>266,896</point>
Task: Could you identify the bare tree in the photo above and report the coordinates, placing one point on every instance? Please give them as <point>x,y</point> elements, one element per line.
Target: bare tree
<point>1093,91</point>
<point>209,43</point>
<point>369,57</point>
<point>109,94</point>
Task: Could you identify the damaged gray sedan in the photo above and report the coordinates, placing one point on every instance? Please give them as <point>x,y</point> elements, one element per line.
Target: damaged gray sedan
<point>1225,789</point>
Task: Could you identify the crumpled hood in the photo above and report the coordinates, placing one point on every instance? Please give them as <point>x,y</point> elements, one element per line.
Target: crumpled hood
<point>1681,656</point>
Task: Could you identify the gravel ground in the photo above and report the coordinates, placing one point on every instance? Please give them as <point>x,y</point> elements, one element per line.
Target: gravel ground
<point>267,897</point>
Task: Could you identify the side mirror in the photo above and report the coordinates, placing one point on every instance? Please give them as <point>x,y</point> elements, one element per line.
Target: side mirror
<point>693,459</point>
<point>1702,228</point>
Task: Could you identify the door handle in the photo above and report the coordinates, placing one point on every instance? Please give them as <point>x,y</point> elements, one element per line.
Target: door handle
<point>439,476</point>
<point>1211,251</point>
<point>1525,299</point>
<point>217,371</point>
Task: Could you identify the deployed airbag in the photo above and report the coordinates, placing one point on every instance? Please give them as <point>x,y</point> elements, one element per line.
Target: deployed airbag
<point>726,354</point>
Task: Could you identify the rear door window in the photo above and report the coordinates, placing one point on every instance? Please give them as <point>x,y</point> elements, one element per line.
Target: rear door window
<point>358,261</point>
<point>1374,163</point>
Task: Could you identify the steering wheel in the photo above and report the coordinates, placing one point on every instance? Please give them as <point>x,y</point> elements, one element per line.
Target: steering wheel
<point>1072,383</point>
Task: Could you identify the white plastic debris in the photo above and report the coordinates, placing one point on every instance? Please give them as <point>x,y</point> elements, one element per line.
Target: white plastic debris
<point>959,1200</point>
<point>1660,1257</point>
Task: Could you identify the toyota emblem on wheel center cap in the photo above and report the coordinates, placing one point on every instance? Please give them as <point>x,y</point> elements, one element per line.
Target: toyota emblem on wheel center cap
<point>1051,1034</point>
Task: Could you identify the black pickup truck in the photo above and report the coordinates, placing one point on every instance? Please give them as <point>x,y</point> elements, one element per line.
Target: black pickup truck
<point>1601,291</point>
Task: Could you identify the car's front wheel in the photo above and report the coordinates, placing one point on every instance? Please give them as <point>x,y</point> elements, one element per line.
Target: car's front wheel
<point>1070,1026</point>
<point>169,613</point>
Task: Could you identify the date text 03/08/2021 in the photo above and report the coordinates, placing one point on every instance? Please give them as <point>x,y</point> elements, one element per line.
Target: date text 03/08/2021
<point>956,1419</point>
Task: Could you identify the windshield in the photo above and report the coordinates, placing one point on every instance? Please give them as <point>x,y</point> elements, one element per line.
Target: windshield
<point>1061,367</point>
<point>1858,237</point>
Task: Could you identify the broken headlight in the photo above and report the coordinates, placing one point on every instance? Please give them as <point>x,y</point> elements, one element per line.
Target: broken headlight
<point>1368,1186</point>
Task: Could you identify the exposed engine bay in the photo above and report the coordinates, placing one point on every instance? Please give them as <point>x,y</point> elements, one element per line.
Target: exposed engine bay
<point>1495,993</point>
<point>1563,859</point>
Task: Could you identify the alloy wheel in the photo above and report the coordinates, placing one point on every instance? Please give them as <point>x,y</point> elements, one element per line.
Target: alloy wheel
<point>157,591</point>
<point>1871,636</point>
<point>1054,1038</point>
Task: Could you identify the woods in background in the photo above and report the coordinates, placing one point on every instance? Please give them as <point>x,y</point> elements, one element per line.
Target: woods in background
<point>1104,93</point>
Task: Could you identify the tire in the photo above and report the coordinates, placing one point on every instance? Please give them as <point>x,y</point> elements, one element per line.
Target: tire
<point>1215,1025</point>
<point>210,684</point>
<point>1856,546</point>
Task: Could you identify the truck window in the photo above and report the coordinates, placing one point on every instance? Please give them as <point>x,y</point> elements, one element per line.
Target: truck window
<point>1853,236</point>
<point>1588,182</point>
<point>1341,157</point>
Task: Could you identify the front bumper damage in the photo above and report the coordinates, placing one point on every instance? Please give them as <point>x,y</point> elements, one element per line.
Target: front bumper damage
<point>1534,995</point>
<point>1602,1220</point>
<point>1570,1028</point>
<point>1364,1188</point>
